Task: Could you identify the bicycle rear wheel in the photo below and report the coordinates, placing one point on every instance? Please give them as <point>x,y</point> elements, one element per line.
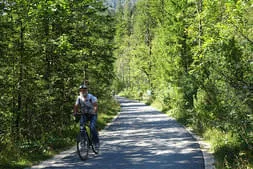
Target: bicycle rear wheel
<point>82,146</point>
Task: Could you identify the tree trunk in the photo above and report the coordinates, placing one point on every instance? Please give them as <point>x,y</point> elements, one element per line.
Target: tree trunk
<point>20,80</point>
<point>199,9</point>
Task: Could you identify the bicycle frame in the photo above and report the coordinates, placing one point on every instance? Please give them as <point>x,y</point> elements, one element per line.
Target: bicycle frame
<point>84,142</point>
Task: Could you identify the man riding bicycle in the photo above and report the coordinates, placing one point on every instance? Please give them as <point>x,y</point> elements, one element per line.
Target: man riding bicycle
<point>88,106</point>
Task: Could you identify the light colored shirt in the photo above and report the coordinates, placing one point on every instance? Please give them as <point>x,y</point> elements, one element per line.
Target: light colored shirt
<point>86,104</point>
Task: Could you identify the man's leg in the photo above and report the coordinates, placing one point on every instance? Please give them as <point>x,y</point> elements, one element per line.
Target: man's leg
<point>93,122</point>
<point>82,123</point>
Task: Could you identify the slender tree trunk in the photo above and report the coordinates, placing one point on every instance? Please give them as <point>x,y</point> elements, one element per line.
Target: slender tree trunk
<point>20,79</point>
<point>199,9</point>
<point>47,50</point>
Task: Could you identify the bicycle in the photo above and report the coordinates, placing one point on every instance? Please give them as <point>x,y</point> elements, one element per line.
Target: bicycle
<point>84,140</point>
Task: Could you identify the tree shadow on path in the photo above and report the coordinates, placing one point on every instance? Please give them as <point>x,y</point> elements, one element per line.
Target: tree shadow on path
<point>140,138</point>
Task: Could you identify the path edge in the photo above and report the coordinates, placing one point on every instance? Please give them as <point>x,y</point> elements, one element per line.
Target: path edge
<point>205,148</point>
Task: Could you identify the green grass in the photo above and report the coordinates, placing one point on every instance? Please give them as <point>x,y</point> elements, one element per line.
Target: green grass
<point>106,115</point>
<point>14,166</point>
<point>26,157</point>
<point>25,160</point>
<point>228,152</point>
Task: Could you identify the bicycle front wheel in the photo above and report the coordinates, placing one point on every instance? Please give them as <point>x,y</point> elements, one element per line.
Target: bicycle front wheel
<point>82,146</point>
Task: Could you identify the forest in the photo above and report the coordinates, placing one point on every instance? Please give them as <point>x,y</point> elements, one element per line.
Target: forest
<point>193,59</point>
<point>190,58</point>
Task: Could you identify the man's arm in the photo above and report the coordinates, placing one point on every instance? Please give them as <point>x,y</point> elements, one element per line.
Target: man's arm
<point>75,109</point>
<point>76,106</point>
<point>95,107</point>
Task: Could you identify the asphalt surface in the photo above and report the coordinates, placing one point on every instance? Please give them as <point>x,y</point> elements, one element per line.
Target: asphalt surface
<point>139,138</point>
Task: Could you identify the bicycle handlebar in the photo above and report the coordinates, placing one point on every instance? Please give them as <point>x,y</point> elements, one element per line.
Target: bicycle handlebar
<point>80,113</point>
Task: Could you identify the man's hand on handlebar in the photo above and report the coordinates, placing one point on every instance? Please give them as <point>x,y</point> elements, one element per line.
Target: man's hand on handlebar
<point>76,114</point>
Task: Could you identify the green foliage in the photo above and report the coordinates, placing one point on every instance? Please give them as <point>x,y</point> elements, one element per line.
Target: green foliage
<point>47,49</point>
<point>227,150</point>
<point>107,112</point>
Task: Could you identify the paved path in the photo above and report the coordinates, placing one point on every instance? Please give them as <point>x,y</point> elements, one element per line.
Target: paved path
<point>139,138</point>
